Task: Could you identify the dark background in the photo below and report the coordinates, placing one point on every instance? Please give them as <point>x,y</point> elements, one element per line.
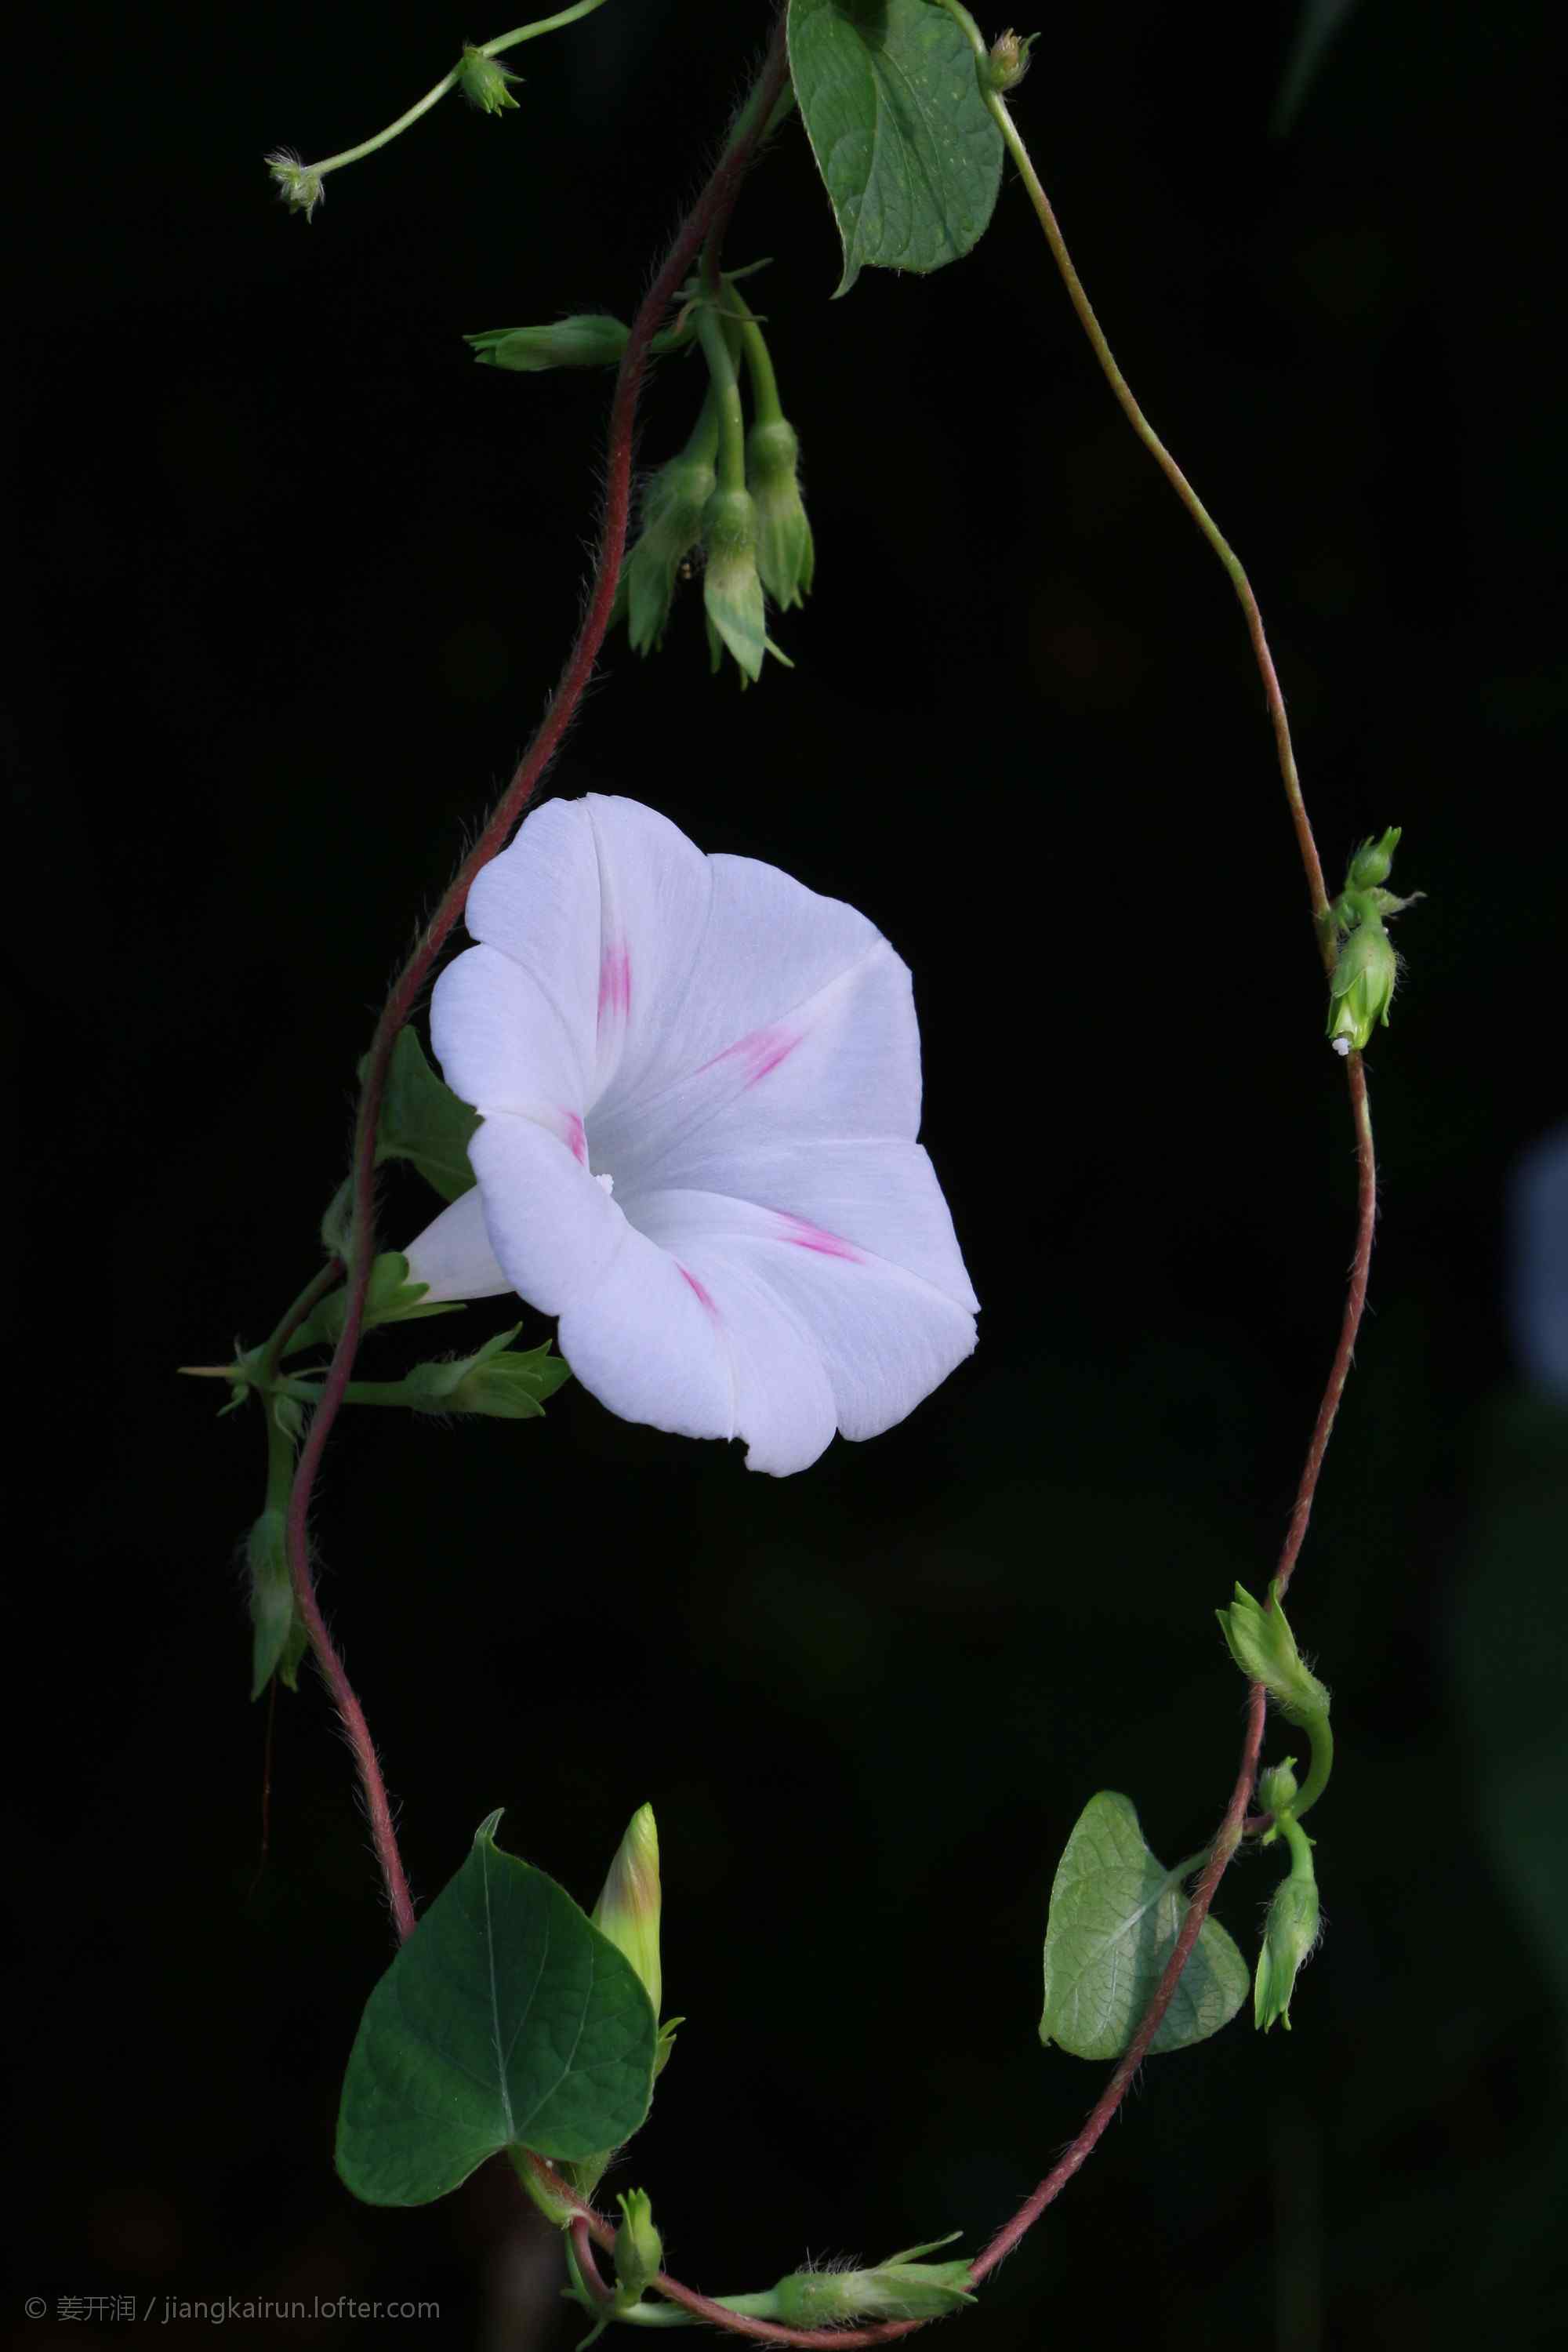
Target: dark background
<point>295,578</point>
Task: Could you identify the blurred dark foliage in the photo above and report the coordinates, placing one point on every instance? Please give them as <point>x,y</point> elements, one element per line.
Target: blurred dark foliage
<point>294,578</point>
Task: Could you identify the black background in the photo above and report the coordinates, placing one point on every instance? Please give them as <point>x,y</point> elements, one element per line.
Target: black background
<point>295,579</point>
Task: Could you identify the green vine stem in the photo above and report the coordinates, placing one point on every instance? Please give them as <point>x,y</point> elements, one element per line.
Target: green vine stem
<point>705,224</point>
<point>449,81</point>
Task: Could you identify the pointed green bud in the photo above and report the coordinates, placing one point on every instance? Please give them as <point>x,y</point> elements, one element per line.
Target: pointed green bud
<point>731,585</point>
<point>296,184</point>
<point>904,2287</point>
<point>1362,989</point>
<point>1264,1647</point>
<point>786,555</point>
<point>1277,1788</point>
<point>590,340</point>
<point>672,511</point>
<point>1289,1938</point>
<point>484,83</point>
<point>639,2250</point>
<point>1374,861</point>
<point>627,1910</point>
<point>1009,59</point>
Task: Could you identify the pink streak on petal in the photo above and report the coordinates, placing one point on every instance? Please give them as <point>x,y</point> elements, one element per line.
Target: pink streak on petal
<point>697,1287</point>
<point>817,1238</point>
<point>615,982</point>
<point>576,1140</point>
<point>759,1053</point>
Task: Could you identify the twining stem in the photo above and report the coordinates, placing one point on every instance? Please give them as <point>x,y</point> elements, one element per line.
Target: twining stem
<point>449,81</point>
<point>709,217</point>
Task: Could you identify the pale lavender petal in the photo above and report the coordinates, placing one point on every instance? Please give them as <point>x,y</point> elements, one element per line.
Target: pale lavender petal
<point>884,1336</point>
<point>453,1255</point>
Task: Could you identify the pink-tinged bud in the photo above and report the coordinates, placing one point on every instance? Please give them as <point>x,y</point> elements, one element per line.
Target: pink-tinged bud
<point>627,1910</point>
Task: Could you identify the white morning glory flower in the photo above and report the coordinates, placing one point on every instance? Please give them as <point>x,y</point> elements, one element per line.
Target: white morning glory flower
<point>700,1086</point>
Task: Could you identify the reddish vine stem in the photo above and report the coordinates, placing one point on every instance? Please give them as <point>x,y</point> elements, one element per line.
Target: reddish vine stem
<point>708,219</point>
<point>708,216</point>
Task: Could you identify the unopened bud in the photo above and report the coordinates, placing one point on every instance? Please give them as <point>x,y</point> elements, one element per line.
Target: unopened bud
<point>785,554</point>
<point>627,1910</point>
<point>592,339</point>
<point>484,83</point>
<point>1289,1938</point>
<point>904,2287</point>
<point>1374,861</point>
<point>1009,59</point>
<point>639,2250</point>
<point>299,185</point>
<point>1362,989</point>
<point>1277,1788</point>
<point>1264,1647</point>
<point>731,585</point>
<point>672,511</point>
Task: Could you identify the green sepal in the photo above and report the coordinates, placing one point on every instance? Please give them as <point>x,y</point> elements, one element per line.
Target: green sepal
<point>505,2021</point>
<point>731,585</point>
<point>1264,1647</point>
<point>672,511</point>
<point>590,339</point>
<point>639,2250</point>
<point>905,2286</point>
<point>786,554</point>
<point>484,81</point>
<point>278,1640</point>
<point>423,1120</point>
<point>1115,1914</point>
<point>390,1297</point>
<point>506,1382</point>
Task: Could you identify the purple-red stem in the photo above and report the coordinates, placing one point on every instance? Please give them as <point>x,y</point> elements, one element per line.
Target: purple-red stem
<point>707,216</point>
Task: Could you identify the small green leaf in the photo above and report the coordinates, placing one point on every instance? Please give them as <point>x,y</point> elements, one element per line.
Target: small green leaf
<point>1115,1914</point>
<point>423,1120</point>
<point>891,105</point>
<point>506,2021</point>
<point>390,1297</point>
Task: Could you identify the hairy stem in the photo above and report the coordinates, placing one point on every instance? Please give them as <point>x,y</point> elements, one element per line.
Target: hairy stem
<point>708,217</point>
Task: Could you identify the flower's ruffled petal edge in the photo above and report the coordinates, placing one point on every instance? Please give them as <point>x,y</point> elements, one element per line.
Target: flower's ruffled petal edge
<point>884,1338</point>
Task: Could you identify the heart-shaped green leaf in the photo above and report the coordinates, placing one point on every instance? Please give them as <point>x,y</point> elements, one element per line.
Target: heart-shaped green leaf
<point>1115,1914</point>
<point>910,157</point>
<point>506,2021</point>
<point>423,1120</point>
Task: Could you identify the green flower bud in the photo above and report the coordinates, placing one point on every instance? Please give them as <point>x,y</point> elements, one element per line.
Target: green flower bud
<point>1289,1938</point>
<point>299,187</point>
<point>786,555</point>
<point>1264,1647</point>
<point>672,511</point>
<point>592,340</point>
<point>1374,861</point>
<point>904,2287</point>
<point>639,2250</point>
<point>483,82</point>
<point>1277,1788</point>
<point>1362,989</point>
<point>627,1910</point>
<point>1009,59</point>
<point>731,585</point>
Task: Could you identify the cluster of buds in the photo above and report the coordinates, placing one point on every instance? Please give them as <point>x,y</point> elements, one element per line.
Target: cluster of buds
<point>1362,988</point>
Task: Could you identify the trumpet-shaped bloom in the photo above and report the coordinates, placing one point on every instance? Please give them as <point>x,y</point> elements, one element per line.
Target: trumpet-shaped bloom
<point>700,1086</point>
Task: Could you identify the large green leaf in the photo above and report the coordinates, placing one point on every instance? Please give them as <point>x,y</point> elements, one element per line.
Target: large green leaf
<point>423,1120</point>
<point>1115,1914</point>
<point>910,157</point>
<point>506,2021</point>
